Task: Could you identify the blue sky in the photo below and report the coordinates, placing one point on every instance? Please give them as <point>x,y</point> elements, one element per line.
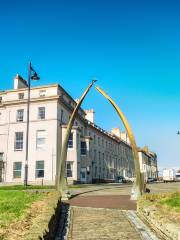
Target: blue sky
<point>131,47</point>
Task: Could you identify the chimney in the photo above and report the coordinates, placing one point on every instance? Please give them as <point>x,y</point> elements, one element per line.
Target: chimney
<point>121,135</point>
<point>124,137</point>
<point>19,82</point>
<point>90,115</point>
<point>116,132</point>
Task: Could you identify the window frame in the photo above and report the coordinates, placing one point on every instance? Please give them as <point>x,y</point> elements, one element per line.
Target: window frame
<point>83,149</point>
<point>39,169</point>
<point>69,170</point>
<point>70,144</point>
<point>15,170</point>
<point>41,114</point>
<point>19,141</point>
<point>40,145</point>
<point>1,156</point>
<point>42,93</point>
<point>20,115</point>
<point>20,96</point>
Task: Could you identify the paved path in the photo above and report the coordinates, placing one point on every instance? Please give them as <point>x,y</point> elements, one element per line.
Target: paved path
<point>106,224</point>
<point>118,202</point>
<point>105,212</point>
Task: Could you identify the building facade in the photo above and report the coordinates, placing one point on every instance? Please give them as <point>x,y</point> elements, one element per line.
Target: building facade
<point>93,153</point>
<point>148,163</point>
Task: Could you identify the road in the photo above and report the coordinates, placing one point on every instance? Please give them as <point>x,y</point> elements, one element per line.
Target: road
<point>121,189</point>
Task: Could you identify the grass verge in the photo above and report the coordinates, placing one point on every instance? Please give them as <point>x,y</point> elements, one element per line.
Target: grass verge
<point>22,187</point>
<point>13,206</point>
<point>166,204</point>
<point>172,202</point>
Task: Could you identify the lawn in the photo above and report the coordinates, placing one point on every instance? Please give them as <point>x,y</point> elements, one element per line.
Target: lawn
<point>22,187</point>
<point>13,205</point>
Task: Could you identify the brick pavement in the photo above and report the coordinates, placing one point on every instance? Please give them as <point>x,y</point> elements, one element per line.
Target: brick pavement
<point>100,224</point>
<point>118,202</point>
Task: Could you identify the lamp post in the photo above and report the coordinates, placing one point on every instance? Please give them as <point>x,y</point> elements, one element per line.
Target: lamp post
<point>32,75</point>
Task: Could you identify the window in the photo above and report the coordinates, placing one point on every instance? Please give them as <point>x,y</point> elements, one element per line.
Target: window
<point>18,144</point>
<point>39,169</point>
<point>70,141</point>
<point>0,99</point>
<point>40,139</point>
<point>42,93</point>
<point>98,140</point>
<point>20,115</point>
<point>94,155</point>
<point>69,169</point>
<point>83,148</point>
<point>1,156</point>
<point>41,113</point>
<point>62,113</point>
<point>1,164</point>
<point>103,142</point>
<point>95,172</point>
<point>94,139</point>
<point>17,169</point>
<point>99,156</point>
<point>21,96</point>
<point>82,130</point>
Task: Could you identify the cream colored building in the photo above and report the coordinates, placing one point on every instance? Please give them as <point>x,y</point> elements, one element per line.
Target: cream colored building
<point>93,153</point>
<point>148,163</point>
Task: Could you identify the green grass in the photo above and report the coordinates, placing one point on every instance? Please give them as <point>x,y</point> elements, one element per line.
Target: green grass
<point>13,205</point>
<point>172,202</point>
<point>164,200</point>
<point>22,187</point>
<point>79,186</point>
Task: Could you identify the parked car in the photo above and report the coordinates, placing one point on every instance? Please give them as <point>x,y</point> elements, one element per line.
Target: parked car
<point>130,179</point>
<point>150,180</point>
<point>120,179</point>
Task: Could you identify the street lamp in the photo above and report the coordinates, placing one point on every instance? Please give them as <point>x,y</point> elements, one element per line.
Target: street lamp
<point>32,75</point>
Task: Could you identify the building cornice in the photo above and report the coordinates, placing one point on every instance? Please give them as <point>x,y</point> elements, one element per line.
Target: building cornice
<point>32,100</point>
<point>32,88</point>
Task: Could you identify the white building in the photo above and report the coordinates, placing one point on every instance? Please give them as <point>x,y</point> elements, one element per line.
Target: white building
<point>148,163</point>
<point>93,154</point>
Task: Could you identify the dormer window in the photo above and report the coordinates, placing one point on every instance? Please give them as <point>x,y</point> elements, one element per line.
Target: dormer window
<point>21,96</point>
<point>42,93</point>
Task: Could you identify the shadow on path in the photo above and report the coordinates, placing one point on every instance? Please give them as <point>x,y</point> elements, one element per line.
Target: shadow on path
<point>96,190</point>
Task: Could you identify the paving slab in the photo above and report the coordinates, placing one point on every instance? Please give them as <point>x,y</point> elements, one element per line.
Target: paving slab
<point>90,224</point>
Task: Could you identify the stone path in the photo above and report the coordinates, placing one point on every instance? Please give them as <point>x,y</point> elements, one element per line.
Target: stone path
<point>104,224</point>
